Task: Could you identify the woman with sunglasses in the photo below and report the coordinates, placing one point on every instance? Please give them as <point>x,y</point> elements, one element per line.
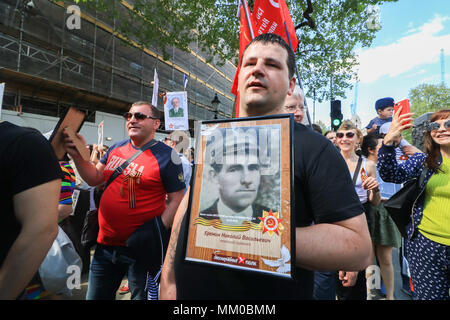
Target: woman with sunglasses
<point>428,242</point>
<point>348,139</point>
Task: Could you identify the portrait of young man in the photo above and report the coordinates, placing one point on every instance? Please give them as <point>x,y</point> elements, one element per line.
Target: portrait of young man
<point>237,174</point>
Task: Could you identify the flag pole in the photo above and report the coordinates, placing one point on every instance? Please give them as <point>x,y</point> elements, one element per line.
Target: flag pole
<point>298,77</point>
<point>250,28</point>
<point>252,36</point>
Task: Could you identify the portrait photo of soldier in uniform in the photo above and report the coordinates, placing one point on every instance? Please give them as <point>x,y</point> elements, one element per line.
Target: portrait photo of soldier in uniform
<point>237,173</point>
<point>240,214</point>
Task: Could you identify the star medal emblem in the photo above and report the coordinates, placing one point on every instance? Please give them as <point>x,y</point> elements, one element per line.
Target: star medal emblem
<point>271,223</point>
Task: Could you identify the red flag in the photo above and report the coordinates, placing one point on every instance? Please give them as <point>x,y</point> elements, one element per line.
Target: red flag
<point>244,39</point>
<point>270,16</point>
<point>246,35</point>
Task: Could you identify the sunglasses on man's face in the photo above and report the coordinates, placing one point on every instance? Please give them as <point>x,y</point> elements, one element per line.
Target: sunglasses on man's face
<point>347,134</point>
<point>137,116</point>
<point>433,126</point>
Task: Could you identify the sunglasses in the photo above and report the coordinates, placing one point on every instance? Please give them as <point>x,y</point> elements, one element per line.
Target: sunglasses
<point>347,134</point>
<point>137,116</point>
<point>433,126</point>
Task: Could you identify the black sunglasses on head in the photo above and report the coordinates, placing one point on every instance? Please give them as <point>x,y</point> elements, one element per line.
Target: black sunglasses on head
<point>347,134</point>
<point>433,126</point>
<point>137,116</point>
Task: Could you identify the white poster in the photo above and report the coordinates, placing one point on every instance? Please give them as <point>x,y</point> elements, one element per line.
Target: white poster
<point>155,89</point>
<point>2,89</point>
<point>176,111</point>
<point>100,136</point>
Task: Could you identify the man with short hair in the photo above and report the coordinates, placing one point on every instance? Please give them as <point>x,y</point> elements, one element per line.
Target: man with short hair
<point>295,104</point>
<point>135,197</point>
<point>339,238</point>
<point>238,184</point>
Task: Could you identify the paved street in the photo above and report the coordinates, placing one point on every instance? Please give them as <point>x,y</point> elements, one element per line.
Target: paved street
<point>398,293</point>
<point>80,294</point>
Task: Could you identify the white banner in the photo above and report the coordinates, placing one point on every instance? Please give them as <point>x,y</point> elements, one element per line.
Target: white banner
<point>100,136</point>
<point>176,111</point>
<point>155,89</point>
<point>2,89</point>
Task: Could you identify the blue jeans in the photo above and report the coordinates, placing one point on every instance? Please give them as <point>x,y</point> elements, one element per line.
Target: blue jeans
<point>324,285</point>
<point>109,265</point>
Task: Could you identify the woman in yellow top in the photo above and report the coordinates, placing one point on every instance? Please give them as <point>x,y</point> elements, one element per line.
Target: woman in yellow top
<point>428,243</point>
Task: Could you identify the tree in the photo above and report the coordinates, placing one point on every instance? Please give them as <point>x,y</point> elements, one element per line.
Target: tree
<point>427,98</point>
<point>323,126</point>
<point>328,32</point>
<point>326,54</point>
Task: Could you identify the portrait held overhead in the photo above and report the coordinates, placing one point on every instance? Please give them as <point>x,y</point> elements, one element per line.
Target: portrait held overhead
<point>176,111</point>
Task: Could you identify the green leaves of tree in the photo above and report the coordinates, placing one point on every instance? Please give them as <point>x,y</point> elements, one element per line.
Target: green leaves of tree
<point>325,54</point>
<point>427,98</point>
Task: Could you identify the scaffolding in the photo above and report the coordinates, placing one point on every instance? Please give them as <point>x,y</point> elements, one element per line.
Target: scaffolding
<point>97,62</point>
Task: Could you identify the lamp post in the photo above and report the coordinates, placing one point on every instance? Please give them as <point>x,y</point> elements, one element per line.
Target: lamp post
<point>215,104</point>
<point>29,8</point>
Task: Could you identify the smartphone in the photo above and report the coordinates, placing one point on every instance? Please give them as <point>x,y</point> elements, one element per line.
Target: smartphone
<point>405,104</point>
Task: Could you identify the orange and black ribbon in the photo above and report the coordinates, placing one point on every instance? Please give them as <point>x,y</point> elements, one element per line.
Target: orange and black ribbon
<point>217,223</point>
<point>132,177</point>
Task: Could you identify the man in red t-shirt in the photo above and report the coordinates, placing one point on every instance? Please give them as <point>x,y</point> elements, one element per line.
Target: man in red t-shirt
<point>136,196</point>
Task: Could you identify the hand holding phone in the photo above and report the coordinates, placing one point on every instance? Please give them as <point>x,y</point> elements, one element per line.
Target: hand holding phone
<point>405,108</point>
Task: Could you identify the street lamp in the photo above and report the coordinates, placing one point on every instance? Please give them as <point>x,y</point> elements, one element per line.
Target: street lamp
<point>215,104</point>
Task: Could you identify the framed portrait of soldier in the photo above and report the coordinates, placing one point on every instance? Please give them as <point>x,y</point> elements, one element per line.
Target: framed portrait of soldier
<point>241,202</point>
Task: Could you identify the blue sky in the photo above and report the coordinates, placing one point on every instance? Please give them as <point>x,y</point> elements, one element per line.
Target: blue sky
<point>405,53</point>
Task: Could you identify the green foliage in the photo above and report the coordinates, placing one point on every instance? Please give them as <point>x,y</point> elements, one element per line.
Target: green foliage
<point>427,98</point>
<point>325,53</point>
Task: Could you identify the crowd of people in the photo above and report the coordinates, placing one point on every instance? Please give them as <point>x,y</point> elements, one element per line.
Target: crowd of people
<point>341,180</point>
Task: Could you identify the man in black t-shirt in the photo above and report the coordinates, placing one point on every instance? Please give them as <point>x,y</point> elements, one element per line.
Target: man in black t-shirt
<point>30,181</point>
<point>324,194</point>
